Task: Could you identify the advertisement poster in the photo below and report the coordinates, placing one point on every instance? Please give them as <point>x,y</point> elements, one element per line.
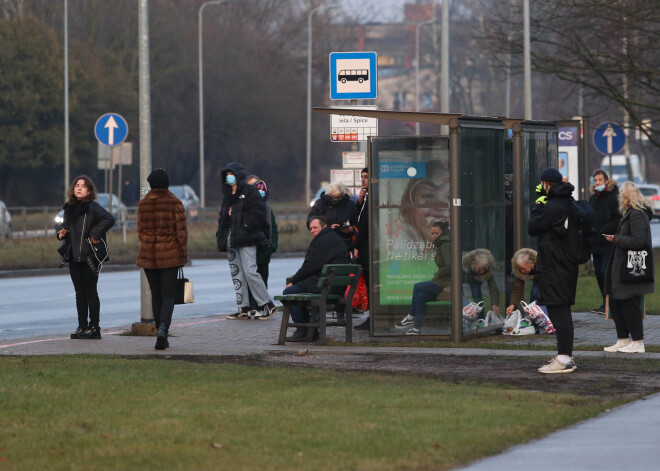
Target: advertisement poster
<point>413,193</point>
<point>568,156</point>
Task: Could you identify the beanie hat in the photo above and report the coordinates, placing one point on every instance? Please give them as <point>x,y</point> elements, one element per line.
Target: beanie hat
<point>158,179</point>
<point>551,174</point>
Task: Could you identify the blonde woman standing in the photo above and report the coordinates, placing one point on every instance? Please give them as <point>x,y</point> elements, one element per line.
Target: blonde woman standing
<point>626,299</point>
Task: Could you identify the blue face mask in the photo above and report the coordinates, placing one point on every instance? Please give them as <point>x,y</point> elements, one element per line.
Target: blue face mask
<point>262,193</point>
<point>599,188</point>
<point>230,179</point>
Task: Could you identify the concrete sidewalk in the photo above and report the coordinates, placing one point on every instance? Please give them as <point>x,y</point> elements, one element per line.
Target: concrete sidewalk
<point>626,436</point>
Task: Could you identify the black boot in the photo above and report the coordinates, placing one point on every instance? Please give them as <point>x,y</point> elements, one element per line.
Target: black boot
<point>79,330</point>
<point>91,333</point>
<point>161,339</point>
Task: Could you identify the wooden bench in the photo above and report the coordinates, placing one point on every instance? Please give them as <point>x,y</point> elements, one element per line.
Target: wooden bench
<point>333,280</point>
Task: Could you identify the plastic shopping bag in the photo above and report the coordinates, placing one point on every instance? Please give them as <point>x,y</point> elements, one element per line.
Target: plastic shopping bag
<point>361,296</point>
<point>491,322</point>
<point>515,324</point>
<point>471,311</point>
<point>538,315</point>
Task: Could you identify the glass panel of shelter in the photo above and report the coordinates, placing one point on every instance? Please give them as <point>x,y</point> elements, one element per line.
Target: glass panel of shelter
<point>410,193</point>
<point>483,222</point>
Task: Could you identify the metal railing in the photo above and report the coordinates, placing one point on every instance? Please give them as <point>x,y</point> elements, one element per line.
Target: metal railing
<point>33,221</point>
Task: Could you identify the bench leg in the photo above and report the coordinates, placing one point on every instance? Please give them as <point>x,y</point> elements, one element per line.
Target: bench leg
<point>284,325</point>
<point>349,320</point>
<point>323,339</point>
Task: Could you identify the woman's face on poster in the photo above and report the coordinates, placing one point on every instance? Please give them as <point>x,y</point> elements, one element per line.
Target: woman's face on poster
<point>431,203</point>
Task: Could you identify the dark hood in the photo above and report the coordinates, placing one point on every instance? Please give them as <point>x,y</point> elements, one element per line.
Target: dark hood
<point>238,170</point>
<point>563,189</point>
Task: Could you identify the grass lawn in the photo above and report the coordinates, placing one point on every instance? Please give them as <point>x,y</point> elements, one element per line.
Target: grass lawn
<point>92,413</point>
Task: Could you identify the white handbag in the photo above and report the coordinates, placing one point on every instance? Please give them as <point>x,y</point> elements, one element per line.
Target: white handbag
<point>184,290</point>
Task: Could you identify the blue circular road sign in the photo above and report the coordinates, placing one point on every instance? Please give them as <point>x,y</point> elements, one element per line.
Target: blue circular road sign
<point>111,129</point>
<point>609,138</point>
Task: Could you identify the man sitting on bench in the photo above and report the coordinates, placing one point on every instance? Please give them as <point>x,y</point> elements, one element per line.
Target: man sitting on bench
<point>326,248</point>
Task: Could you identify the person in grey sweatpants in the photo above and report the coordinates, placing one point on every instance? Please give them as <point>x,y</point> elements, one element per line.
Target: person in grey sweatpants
<point>242,217</point>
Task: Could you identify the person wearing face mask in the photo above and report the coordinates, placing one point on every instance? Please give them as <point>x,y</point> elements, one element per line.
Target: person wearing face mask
<point>266,250</point>
<point>605,201</point>
<point>337,209</point>
<point>240,229</point>
<point>557,276</point>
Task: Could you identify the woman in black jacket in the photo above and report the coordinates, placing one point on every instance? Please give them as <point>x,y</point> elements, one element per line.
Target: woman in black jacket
<point>85,223</point>
<point>605,201</point>
<point>627,298</point>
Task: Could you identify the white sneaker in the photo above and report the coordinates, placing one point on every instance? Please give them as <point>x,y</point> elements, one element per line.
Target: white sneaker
<point>619,343</point>
<point>555,366</point>
<point>636,346</point>
<point>414,331</point>
<point>405,322</point>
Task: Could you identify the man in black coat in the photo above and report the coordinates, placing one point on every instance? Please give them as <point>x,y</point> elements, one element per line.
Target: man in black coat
<point>557,276</point>
<point>326,247</point>
<point>605,202</point>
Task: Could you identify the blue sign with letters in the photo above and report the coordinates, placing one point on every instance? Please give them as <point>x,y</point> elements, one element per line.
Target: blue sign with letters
<point>609,138</point>
<point>353,75</point>
<point>111,129</point>
<point>402,169</point>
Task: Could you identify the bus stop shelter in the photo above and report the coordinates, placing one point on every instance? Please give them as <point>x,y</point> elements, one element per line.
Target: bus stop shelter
<point>479,180</point>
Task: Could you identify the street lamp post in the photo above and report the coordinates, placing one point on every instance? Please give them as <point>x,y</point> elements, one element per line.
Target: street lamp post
<point>417,28</point>
<point>308,145</point>
<point>202,185</point>
<point>527,61</point>
<point>66,98</point>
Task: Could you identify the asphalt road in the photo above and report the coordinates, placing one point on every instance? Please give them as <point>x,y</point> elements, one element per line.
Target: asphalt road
<point>41,305</point>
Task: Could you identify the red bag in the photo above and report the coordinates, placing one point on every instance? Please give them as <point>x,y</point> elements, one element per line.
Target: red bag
<point>361,296</point>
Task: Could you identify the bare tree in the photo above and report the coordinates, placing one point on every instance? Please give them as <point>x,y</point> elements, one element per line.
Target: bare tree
<point>608,48</point>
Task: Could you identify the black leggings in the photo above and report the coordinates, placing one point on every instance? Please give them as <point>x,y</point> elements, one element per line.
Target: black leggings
<point>162,284</point>
<point>87,297</point>
<point>562,320</point>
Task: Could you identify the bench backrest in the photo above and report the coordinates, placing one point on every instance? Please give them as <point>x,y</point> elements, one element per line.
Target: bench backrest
<point>335,277</point>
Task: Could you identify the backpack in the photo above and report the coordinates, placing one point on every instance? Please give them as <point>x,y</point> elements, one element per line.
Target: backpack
<point>577,243</point>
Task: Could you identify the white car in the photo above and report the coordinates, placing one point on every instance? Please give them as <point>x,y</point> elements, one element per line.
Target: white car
<point>5,221</point>
<point>651,194</point>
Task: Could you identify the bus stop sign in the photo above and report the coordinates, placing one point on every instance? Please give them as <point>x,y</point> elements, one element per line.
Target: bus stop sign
<point>353,75</point>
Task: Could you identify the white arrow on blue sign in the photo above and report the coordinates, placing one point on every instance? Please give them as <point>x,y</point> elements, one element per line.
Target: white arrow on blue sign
<point>111,129</point>
<point>609,138</point>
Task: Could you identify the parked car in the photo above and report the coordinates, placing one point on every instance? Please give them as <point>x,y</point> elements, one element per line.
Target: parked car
<point>118,210</point>
<point>651,194</point>
<point>5,221</point>
<point>189,199</point>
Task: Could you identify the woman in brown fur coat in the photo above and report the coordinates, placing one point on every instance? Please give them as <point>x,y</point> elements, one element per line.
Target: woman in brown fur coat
<point>163,250</point>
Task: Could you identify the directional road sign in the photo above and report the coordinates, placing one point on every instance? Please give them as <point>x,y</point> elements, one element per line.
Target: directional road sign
<point>353,75</point>
<point>609,138</point>
<point>111,129</point>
